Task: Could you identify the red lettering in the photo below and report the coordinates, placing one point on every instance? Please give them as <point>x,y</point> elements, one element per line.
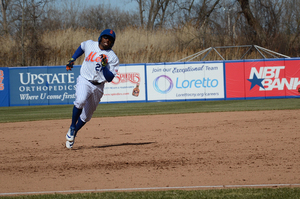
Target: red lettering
<point>98,59</point>
<point>126,77</point>
<point>116,79</point>
<point>1,80</point>
<point>91,57</point>
<point>123,78</point>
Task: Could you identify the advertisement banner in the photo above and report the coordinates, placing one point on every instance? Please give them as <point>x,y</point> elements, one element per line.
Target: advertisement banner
<point>292,75</point>
<point>247,79</point>
<point>4,87</point>
<point>127,86</point>
<point>235,79</point>
<point>262,79</point>
<point>42,85</point>
<point>185,81</point>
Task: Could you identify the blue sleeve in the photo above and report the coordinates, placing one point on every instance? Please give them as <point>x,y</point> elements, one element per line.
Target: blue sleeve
<point>108,74</point>
<point>78,53</point>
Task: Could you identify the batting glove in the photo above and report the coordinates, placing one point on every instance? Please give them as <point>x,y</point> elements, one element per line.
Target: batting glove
<point>70,64</point>
<point>103,60</point>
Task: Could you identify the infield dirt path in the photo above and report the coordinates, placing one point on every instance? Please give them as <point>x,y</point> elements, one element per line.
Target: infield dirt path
<point>200,149</point>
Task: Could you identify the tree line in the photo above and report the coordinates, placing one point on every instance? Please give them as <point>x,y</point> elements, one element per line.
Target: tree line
<point>27,27</point>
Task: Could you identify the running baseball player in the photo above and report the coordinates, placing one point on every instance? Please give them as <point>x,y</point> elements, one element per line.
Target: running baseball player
<point>100,65</point>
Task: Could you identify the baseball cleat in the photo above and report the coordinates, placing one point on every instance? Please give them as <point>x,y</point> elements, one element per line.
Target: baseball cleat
<point>69,145</point>
<point>71,134</point>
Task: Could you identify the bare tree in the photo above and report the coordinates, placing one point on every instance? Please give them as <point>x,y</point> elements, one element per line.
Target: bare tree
<point>205,10</point>
<point>27,28</point>
<point>99,17</point>
<point>141,11</point>
<point>70,10</point>
<point>195,12</point>
<point>164,7</point>
<point>251,19</point>
<point>4,7</point>
<point>154,11</point>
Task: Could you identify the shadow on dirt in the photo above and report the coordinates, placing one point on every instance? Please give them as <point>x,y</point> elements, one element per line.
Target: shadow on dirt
<point>115,145</point>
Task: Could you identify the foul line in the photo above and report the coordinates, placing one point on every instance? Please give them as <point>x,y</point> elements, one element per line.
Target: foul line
<point>152,188</point>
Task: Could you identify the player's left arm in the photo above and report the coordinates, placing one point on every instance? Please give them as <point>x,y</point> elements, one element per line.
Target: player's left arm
<point>109,76</point>
<point>109,73</point>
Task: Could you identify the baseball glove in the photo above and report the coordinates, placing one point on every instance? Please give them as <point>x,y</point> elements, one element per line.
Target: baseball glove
<point>103,60</point>
<point>69,66</point>
<point>299,90</point>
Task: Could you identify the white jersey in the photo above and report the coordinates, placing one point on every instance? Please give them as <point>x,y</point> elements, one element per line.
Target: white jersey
<point>91,68</point>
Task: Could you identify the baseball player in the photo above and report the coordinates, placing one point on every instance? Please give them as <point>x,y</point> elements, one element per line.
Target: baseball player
<point>100,65</point>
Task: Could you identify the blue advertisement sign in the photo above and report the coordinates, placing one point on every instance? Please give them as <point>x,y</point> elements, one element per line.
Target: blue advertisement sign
<point>42,85</point>
<point>4,87</point>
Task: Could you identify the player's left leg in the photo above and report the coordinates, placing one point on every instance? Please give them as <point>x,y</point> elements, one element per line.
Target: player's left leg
<point>90,107</point>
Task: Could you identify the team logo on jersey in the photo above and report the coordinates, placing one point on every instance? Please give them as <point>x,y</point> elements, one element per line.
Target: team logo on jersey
<point>269,77</point>
<point>92,57</point>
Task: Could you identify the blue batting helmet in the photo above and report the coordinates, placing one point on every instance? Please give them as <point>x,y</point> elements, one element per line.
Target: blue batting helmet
<point>110,33</point>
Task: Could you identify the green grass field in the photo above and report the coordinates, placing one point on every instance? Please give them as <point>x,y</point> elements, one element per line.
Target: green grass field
<point>34,113</point>
<point>245,193</point>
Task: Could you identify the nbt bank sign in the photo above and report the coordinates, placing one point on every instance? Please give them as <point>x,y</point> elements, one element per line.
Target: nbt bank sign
<point>272,77</point>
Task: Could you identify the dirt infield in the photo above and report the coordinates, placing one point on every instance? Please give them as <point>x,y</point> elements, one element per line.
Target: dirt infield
<point>201,149</point>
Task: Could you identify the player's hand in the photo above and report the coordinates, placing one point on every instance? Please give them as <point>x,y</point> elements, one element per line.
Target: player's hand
<point>69,66</point>
<point>103,60</point>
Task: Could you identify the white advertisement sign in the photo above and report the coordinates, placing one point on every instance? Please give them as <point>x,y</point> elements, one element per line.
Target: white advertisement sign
<point>128,85</point>
<point>191,81</point>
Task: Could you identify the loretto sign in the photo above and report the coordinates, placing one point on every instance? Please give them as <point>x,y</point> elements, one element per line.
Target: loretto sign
<point>186,81</point>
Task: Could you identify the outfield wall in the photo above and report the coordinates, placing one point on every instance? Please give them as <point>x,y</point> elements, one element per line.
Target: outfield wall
<point>186,81</point>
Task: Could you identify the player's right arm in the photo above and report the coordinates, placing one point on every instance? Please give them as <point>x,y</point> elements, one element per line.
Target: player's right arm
<point>77,54</point>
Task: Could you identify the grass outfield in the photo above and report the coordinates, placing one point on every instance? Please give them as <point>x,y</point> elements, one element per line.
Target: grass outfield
<point>33,113</point>
<point>242,193</point>
<point>53,112</point>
